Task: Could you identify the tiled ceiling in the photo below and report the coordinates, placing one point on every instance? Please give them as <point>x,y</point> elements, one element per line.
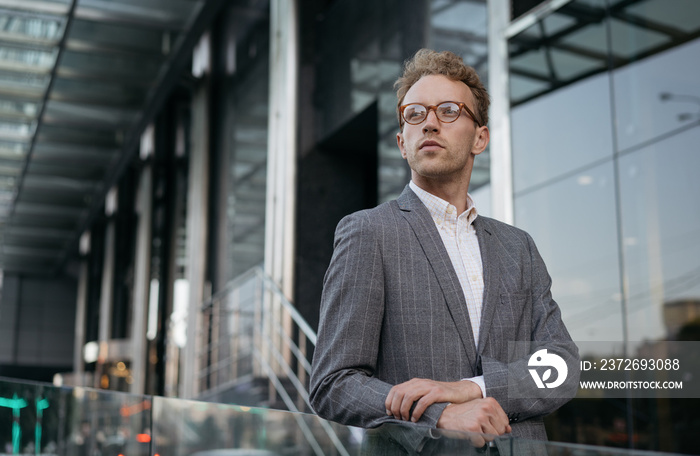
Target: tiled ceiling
<point>79,82</point>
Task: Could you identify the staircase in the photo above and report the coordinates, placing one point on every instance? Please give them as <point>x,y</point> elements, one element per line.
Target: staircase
<point>253,350</point>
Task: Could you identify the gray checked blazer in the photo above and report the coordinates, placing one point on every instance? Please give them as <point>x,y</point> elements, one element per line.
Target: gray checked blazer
<point>392,309</point>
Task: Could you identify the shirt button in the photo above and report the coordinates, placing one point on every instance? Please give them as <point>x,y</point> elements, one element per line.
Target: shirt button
<point>475,278</point>
<point>450,209</point>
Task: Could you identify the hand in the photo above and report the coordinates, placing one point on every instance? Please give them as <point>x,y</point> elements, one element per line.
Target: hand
<point>425,393</point>
<point>483,416</point>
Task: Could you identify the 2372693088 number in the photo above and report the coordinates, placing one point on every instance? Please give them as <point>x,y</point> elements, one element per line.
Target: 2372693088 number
<point>639,364</point>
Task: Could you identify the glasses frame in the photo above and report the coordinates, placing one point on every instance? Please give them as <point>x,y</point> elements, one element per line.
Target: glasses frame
<point>429,108</point>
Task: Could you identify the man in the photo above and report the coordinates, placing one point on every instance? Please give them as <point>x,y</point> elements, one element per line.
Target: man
<point>422,296</point>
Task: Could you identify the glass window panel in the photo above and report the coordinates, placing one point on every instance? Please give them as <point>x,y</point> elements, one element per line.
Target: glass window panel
<point>569,65</point>
<point>522,88</point>
<point>678,14</point>
<point>661,225</point>
<point>629,40</point>
<point>555,23</point>
<point>245,150</point>
<point>563,47</point>
<point>533,62</point>
<point>361,55</point>
<point>643,112</point>
<point>593,38</point>
<point>548,144</point>
<point>573,225</point>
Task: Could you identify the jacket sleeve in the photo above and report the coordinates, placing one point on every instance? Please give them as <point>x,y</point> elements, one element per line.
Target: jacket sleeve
<point>510,381</point>
<point>344,386</point>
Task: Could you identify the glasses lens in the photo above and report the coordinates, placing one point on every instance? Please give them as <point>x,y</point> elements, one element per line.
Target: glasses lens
<point>414,113</point>
<point>448,112</point>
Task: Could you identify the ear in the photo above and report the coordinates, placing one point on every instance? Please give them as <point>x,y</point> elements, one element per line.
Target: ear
<point>400,143</point>
<point>481,140</point>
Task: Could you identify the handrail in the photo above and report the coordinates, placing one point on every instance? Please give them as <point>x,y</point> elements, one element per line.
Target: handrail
<point>241,324</point>
<point>296,316</point>
<point>231,286</point>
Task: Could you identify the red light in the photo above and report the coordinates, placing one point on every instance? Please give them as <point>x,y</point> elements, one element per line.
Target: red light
<point>143,438</point>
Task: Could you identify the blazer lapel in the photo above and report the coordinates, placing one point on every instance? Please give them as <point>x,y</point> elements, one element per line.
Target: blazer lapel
<point>490,267</point>
<point>418,217</point>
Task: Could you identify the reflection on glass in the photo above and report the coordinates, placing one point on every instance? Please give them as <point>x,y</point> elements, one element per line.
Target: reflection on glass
<point>573,225</point>
<point>362,54</point>
<point>661,223</point>
<point>245,150</point>
<point>547,144</point>
<point>560,49</point>
<point>657,96</point>
<point>43,419</point>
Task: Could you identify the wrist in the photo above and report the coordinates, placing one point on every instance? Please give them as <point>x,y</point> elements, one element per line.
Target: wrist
<point>472,390</point>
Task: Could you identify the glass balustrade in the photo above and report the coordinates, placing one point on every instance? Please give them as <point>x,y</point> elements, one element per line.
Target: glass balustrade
<point>43,419</point>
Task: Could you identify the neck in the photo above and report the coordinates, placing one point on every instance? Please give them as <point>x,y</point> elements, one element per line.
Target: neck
<point>454,191</point>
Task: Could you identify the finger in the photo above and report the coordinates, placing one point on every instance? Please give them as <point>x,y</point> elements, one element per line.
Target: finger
<point>388,401</point>
<point>395,406</point>
<point>500,423</point>
<point>488,430</point>
<point>422,404</point>
<point>406,405</point>
<point>477,440</point>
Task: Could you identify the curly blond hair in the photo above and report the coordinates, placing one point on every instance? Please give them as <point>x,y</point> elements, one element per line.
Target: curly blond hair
<point>428,62</point>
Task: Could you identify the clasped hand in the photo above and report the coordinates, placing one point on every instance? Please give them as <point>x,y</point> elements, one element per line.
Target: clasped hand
<point>467,410</point>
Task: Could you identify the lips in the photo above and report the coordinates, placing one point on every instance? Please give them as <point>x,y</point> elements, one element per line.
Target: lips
<point>431,144</point>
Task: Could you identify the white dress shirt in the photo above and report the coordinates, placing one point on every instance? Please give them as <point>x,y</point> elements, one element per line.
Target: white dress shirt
<point>459,237</point>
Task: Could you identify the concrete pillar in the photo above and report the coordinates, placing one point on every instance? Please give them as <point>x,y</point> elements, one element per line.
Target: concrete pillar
<point>197,228</point>
<point>282,153</point>
<point>142,270</point>
<point>499,115</point>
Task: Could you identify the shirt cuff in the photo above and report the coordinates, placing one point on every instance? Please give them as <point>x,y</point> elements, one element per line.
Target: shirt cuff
<point>479,380</point>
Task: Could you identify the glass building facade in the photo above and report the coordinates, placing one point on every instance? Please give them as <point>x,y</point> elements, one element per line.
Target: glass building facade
<point>605,110</point>
<point>602,119</point>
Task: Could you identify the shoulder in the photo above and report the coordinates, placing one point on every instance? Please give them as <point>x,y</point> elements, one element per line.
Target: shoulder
<point>375,217</point>
<point>376,225</point>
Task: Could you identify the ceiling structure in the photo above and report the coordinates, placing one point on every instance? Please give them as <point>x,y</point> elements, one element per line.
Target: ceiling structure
<point>79,82</point>
<point>81,79</point>
<point>586,37</point>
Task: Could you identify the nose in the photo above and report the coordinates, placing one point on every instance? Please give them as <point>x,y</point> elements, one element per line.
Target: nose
<point>431,122</point>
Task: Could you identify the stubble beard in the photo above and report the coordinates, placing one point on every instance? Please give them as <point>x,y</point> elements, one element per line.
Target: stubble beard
<point>440,165</point>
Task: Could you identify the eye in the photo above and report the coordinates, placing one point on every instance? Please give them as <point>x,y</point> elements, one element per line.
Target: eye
<point>449,109</point>
<point>414,112</point>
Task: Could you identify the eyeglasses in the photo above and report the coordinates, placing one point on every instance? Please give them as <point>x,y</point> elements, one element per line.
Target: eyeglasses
<point>446,112</point>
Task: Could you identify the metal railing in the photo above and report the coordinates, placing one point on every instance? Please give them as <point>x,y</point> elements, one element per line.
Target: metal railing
<point>252,333</point>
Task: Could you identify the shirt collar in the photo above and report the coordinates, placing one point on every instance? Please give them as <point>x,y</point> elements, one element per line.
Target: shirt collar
<point>439,208</point>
